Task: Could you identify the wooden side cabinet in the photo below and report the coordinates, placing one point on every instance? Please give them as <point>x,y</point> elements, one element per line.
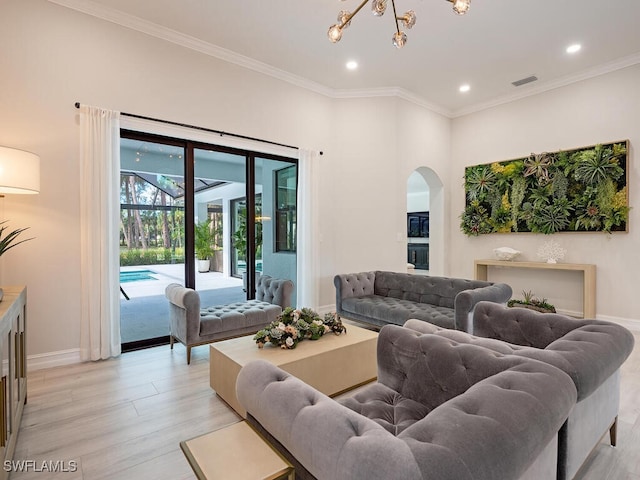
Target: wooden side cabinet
<point>13,382</point>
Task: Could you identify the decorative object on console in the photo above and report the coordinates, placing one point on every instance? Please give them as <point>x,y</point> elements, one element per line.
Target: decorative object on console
<point>505,253</point>
<point>532,303</point>
<point>293,326</point>
<point>378,7</point>
<point>583,189</point>
<point>551,251</point>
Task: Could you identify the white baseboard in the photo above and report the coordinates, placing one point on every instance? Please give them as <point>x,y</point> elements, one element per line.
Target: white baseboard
<point>629,323</point>
<point>53,359</point>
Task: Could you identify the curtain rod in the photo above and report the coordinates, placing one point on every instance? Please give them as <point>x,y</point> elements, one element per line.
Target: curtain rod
<point>203,129</point>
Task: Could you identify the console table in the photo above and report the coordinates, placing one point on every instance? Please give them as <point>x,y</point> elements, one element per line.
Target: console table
<point>13,381</point>
<point>588,277</point>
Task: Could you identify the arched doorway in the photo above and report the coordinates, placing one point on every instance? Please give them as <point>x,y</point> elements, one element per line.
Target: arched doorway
<point>425,222</point>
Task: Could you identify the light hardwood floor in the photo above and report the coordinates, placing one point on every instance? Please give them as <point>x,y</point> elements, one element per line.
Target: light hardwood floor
<point>124,418</point>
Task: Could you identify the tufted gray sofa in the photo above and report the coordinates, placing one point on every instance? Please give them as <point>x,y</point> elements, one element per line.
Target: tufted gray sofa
<point>440,410</point>
<point>589,351</point>
<point>380,298</point>
<point>193,326</point>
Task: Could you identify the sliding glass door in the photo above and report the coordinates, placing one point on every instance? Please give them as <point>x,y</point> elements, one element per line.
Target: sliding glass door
<point>152,235</point>
<point>208,217</point>
<point>220,177</point>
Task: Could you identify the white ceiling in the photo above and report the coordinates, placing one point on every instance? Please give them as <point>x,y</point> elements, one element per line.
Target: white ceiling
<point>494,44</point>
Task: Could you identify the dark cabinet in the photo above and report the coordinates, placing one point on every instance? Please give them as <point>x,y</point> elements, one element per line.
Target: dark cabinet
<point>418,225</point>
<point>418,255</point>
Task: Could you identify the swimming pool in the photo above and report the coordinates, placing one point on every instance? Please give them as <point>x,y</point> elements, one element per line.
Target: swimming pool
<point>136,276</point>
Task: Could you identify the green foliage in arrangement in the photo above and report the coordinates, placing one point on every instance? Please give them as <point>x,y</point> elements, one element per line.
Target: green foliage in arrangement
<point>576,190</point>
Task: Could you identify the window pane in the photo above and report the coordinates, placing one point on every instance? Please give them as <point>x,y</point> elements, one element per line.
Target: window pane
<point>286,214</point>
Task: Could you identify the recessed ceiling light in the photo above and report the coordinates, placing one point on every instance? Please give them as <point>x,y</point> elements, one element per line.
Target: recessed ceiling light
<point>574,48</point>
<point>465,88</point>
<point>352,65</point>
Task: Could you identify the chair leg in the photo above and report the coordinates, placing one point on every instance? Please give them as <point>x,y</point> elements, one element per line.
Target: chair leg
<point>171,341</point>
<point>188,355</point>
<point>613,432</point>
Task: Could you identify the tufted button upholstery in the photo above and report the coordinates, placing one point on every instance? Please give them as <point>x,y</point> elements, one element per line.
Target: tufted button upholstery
<point>591,352</point>
<point>380,298</point>
<point>440,410</point>
<point>192,325</point>
<point>252,313</point>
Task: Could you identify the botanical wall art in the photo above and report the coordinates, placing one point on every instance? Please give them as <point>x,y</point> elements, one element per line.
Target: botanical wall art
<point>575,190</point>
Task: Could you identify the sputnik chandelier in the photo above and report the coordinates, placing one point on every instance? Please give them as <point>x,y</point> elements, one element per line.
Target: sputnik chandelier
<point>378,7</point>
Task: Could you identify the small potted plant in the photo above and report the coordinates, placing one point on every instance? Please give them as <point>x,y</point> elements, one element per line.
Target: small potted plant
<point>8,241</point>
<point>532,303</point>
<point>204,245</point>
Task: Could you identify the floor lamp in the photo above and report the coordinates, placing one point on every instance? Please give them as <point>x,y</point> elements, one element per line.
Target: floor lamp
<point>19,174</point>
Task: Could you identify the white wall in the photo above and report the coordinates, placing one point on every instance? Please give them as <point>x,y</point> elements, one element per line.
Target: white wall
<point>599,110</point>
<point>424,144</point>
<point>417,193</point>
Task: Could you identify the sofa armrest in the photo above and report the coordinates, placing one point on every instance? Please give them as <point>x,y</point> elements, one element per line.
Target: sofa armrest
<point>274,290</point>
<point>353,285</point>
<point>184,311</point>
<point>328,439</point>
<point>421,326</point>
<point>466,301</point>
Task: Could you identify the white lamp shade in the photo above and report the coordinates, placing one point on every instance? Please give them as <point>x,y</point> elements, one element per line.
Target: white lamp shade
<point>19,171</point>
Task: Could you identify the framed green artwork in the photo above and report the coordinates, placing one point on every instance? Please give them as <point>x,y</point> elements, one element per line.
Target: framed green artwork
<point>584,189</point>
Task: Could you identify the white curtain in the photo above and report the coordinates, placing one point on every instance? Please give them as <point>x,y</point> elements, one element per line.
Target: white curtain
<point>99,230</point>
<point>307,275</point>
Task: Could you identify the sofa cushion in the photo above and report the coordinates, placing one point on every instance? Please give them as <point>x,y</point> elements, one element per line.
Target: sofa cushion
<point>386,407</point>
<point>438,291</point>
<point>432,369</point>
<point>397,310</point>
<point>234,316</point>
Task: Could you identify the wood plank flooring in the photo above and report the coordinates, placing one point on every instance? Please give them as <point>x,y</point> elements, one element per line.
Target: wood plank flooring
<point>124,418</point>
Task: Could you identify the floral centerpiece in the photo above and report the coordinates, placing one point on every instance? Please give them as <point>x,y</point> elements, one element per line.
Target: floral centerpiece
<point>293,326</point>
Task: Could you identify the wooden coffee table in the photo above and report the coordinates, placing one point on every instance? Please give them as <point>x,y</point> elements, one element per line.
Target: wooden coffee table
<point>332,364</point>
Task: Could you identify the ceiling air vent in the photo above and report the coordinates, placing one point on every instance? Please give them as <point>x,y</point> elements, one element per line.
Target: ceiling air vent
<point>524,81</point>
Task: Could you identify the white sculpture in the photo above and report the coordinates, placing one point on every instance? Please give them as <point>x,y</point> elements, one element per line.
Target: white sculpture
<point>505,253</point>
<point>551,251</point>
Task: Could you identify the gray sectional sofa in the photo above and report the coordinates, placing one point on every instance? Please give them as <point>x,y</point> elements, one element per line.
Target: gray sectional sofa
<point>591,352</point>
<point>440,410</point>
<point>380,298</point>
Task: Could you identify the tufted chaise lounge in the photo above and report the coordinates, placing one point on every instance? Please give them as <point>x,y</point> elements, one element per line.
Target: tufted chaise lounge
<point>439,410</point>
<point>381,298</point>
<point>193,326</point>
<point>589,351</point>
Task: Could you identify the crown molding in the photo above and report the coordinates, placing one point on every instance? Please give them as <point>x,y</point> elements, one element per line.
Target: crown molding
<point>164,33</point>
<point>603,69</point>
<point>391,92</point>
